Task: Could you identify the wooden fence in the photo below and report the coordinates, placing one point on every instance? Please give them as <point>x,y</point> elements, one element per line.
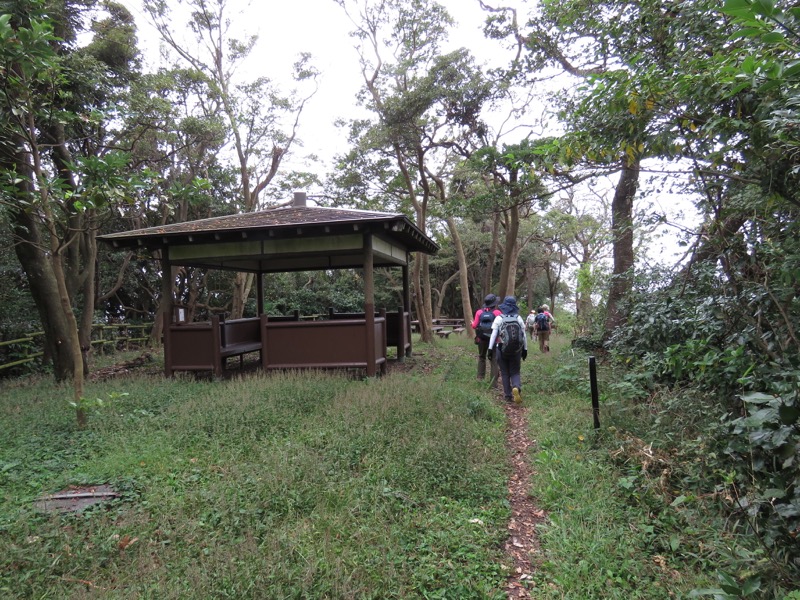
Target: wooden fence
<point>29,348</point>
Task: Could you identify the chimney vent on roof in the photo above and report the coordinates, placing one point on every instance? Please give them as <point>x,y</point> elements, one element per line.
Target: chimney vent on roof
<point>300,199</point>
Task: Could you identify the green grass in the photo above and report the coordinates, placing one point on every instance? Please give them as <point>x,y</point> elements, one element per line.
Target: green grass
<point>280,486</point>
<point>317,485</point>
<point>612,532</point>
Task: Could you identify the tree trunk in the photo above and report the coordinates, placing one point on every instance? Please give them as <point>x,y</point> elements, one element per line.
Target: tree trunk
<point>530,272</point>
<point>427,296</point>
<point>88,291</point>
<point>622,234</point>
<point>72,341</point>
<point>491,258</point>
<point>583,294</point>
<point>425,332</point>
<point>508,271</point>
<point>242,286</point>
<point>31,252</point>
<point>44,289</point>
<point>157,331</point>
<point>463,273</point>
<point>239,298</point>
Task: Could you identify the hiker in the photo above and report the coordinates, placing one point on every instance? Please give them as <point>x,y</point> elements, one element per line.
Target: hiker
<point>482,324</point>
<point>529,321</point>
<point>550,317</point>
<point>542,325</point>
<point>511,343</point>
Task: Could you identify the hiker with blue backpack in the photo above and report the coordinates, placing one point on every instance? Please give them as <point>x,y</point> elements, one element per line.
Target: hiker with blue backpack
<point>510,345</point>
<point>542,325</point>
<point>482,324</point>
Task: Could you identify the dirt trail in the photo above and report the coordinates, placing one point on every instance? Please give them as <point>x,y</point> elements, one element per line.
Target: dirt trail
<point>522,544</point>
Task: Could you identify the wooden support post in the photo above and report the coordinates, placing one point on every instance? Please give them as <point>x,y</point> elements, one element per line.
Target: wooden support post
<point>260,293</point>
<point>264,353</point>
<point>407,302</point>
<point>167,283</point>
<point>369,305</point>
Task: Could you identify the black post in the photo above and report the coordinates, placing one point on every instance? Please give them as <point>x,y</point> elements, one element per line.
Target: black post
<point>595,398</point>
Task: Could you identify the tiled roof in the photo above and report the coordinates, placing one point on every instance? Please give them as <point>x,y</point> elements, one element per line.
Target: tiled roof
<point>290,216</point>
<point>290,221</point>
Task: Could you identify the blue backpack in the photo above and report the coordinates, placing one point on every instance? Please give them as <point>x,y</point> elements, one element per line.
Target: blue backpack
<point>542,322</point>
<point>485,321</point>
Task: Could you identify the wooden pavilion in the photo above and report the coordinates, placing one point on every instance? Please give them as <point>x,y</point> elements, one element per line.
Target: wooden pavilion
<point>291,238</point>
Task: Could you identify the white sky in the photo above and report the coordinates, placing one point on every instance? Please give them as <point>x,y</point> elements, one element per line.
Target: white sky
<point>321,28</point>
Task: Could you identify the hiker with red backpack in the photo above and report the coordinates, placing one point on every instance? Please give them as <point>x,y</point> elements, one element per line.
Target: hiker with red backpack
<point>482,324</point>
<point>510,344</point>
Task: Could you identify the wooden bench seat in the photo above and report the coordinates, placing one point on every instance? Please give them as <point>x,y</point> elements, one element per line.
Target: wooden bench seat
<point>237,338</point>
<point>239,349</point>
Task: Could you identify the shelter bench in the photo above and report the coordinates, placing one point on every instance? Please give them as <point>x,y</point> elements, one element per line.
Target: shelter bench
<point>207,346</point>
<point>341,343</point>
<point>398,328</point>
<point>237,338</point>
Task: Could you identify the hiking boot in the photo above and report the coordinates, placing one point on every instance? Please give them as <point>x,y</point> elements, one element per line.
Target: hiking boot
<point>517,395</point>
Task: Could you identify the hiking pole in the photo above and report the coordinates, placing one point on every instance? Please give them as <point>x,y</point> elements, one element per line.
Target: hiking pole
<point>494,369</point>
<point>492,381</point>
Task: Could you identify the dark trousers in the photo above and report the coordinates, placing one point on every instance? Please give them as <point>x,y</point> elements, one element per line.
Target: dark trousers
<point>509,372</point>
<point>483,347</point>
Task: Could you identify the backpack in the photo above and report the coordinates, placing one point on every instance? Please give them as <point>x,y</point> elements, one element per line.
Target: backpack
<point>511,335</point>
<point>485,324</point>
<point>542,322</point>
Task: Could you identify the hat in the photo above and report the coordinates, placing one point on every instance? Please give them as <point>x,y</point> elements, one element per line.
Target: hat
<point>490,301</point>
<point>545,307</point>
<point>509,306</point>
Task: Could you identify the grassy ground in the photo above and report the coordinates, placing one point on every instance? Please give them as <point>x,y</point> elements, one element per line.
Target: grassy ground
<point>323,486</point>
<point>597,542</point>
<point>287,486</point>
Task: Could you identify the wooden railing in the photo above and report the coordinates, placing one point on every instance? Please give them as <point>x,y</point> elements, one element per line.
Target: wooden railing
<point>20,351</point>
<point>28,348</point>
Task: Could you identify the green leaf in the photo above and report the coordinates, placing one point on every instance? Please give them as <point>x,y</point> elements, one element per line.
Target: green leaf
<point>773,493</point>
<point>738,8</point>
<point>757,398</point>
<point>773,37</point>
<point>764,7</point>
<point>706,592</point>
<point>751,585</point>
<point>792,69</point>
<point>739,13</point>
<point>745,32</point>
<point>789,414</point>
